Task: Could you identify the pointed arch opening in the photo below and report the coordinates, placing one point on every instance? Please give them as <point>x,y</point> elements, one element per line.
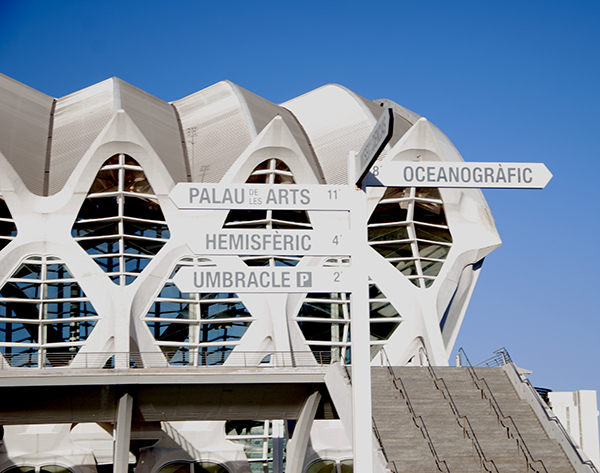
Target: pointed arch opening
<point>8,229</point>
<point>45,317</point>
<point>196,329</point>
<point>409,229</point>
<point>120,224</point>
<point>270,171</point>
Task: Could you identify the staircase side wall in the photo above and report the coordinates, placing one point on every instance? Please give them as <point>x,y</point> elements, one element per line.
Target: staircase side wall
<point>550,423</point>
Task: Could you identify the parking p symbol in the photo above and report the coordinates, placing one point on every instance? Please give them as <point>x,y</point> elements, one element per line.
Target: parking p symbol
<point>304,279</point>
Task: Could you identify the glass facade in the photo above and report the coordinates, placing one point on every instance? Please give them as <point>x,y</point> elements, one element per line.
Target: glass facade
<point>196,329</point>
<point>259,438</point>
<point>8,229</point>
<point>324,320</point>
<point>45,317</point>
<point>409,229</point>
<point>120,224</point>
<point>193,467</point>
<point>271,171</point>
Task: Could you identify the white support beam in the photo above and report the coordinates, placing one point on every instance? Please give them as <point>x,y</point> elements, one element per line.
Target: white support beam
<point>122,435</point>
<point>297,446</point>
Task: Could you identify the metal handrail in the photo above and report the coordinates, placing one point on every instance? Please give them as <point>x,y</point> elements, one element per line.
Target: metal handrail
<point>500,358</point>
<point>177,358</point>
<point>441,464</point>
<point>553,418</point>
<point>462,421</point>
<point>380,442</point>
<point>506,421</point>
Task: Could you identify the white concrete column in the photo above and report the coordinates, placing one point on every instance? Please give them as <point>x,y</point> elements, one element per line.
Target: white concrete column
<point>122,435</point>
<point>297,446</point>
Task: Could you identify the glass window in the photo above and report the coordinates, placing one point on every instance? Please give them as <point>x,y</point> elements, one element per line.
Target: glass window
<point>257,437</point>
<point>121,216</point>
<point>408,227</point>
<point>39,293</point>
<point>8,229</point>
<point>196,329</point>
<point>271,171</point>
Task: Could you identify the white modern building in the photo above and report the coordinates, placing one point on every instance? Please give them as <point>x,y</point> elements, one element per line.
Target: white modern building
<point>91,321</point>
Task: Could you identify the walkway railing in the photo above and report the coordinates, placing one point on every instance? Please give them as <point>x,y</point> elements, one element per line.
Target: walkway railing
<point>500,358</point>
<point>462,421</point>
<point>418,420</point>
<point>505,421</point>
<point>170,359</point>
<point>550,415</point>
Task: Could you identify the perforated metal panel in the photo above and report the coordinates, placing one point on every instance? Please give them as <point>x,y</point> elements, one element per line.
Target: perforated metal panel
<point>262,112</point>
<point>157,121</point>
<point>337,121</point>
<point>78,119</point>
<point>24,120</point>
<point>216,130</point>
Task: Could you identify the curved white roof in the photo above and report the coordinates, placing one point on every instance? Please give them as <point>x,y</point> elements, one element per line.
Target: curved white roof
<point>198,137</point>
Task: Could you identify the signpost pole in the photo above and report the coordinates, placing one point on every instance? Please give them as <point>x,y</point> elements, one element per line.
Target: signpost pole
<point>362,434</point>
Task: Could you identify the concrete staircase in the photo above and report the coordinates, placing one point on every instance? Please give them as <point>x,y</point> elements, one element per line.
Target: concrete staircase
<point>442,413</point>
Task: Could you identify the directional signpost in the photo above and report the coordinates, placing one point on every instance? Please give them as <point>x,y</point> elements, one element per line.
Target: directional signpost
<point>272,242</point>
<point>379,137</point>
<point>461,174</point>
<point>193,196</point>
<point>232,275</point>
<point>263,279</point>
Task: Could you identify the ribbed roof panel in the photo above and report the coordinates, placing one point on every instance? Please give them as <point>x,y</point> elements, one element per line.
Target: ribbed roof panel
<point>78,119</point>
<point>337,121</point>
<point>263,111</point>
<point>217,128</point>
<point>158,123</point>
<point>24,123</point>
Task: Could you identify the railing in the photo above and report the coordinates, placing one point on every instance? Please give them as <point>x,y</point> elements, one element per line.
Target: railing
<point>170,359</point>
<point>418,420</point>
<point>500,358</point>
<point>463,421</point>
<point>505,421</point>
<point>552,418</point>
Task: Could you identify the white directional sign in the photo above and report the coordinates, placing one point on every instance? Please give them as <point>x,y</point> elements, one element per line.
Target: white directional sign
<point>195,196</point>
<point>272,242</point>
<point>438,174</point>
<point>379,137</point>
<point>263,279</point>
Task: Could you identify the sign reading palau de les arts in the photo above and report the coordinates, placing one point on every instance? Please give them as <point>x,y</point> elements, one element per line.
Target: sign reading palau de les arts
<point>235,276</point>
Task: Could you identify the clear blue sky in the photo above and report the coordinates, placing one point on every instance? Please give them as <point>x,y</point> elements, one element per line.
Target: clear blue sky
<point>506,81</point>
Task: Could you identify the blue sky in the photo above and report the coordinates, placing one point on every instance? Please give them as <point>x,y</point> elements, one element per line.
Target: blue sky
<point>506,81</point>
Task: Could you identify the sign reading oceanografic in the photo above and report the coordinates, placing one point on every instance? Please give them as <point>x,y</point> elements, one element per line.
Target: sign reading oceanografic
<point>271,242</point>
<point>446,174</point>
<point>196,196</point>
<point>263,279</point>
<point>379,137</point>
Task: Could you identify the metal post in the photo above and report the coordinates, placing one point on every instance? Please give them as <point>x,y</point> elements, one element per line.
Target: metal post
<point>278,436</point>
<point>362,434</point>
